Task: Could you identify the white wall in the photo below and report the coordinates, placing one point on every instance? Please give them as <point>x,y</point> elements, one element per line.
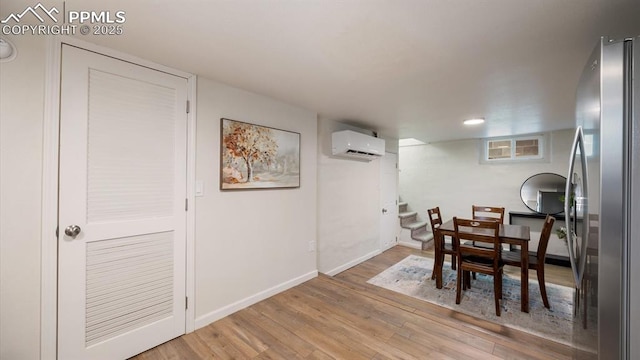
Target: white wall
<point>250,244</point>
<point>21,124</point>
<point>348,205</point>
<point>449,175</point>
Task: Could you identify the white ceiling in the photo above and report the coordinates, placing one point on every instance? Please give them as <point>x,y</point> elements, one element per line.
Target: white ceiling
<point>402,68</point>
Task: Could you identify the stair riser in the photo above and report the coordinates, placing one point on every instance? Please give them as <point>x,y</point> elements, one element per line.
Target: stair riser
<point>426,245</point>
<point>408,220</point>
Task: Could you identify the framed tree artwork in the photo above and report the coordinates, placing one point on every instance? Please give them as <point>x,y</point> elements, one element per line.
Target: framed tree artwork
<point>258,157</point>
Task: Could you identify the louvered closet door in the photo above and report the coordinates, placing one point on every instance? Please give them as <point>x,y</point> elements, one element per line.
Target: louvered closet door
<point>121,286</point>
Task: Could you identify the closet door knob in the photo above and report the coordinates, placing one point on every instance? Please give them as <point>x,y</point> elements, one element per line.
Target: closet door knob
<point>72,230</point>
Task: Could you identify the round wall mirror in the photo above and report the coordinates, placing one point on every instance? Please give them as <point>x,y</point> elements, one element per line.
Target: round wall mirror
<point>544,193</point>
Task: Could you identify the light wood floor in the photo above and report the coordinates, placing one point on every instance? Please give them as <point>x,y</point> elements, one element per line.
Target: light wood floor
<point>343,317</point>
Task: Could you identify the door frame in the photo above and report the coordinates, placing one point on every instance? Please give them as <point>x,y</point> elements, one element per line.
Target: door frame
<point>50,158</point>
<point>397,227</point>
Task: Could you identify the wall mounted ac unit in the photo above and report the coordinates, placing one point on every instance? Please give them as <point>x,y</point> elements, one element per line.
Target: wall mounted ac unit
<point>356,145</point>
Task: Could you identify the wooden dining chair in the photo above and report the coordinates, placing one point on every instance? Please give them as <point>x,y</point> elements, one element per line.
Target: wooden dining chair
<point>536,261</point>
<point>487,213</point>
<point>478,259</point>
<point>441,247</point>
<point>493,213</point>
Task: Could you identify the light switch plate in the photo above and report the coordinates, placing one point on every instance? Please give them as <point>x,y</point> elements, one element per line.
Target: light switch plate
<point>199,188</point>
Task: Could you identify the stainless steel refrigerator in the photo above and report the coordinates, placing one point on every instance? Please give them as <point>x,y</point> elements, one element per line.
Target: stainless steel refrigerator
<point>602,203</point>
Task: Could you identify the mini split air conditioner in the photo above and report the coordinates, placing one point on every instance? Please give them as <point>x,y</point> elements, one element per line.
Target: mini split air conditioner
<point>356,145</point>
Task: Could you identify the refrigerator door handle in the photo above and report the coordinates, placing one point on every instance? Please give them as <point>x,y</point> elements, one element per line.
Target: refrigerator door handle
<point>577,252</point>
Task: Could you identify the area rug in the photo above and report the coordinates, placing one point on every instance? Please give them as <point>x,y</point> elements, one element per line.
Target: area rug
<point>412,277</point>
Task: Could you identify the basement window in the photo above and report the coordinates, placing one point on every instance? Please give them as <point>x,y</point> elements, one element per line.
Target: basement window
<point>531,147</point>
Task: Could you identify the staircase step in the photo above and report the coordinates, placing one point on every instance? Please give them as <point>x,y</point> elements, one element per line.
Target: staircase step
<point>402,207</point>
<point>407,214</point>
<point>424,237</point>
<point>415,225</point>
<point>403,204</point>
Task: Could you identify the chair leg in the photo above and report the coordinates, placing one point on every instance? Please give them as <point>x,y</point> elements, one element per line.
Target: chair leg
<point>497,292</point>
<point>436,258</point>
<point>453,257</point>
<point>464,280</point>
<point>467,280</point>
<point>500,283</point>
<point>435,265</point>
<point>459,286</point>
<point>437,269</point>
<point>543,287</point>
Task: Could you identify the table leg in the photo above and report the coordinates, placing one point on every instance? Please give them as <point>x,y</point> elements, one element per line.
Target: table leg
<point>524,278</point>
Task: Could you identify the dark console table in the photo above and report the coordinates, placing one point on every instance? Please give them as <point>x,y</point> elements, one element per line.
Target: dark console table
<point>531,215</point>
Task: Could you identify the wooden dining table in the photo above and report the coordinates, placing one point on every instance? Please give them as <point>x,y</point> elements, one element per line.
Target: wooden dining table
<point>509,234</point>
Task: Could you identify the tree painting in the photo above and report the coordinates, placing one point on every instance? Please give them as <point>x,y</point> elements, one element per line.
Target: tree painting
<point>251,144</point>
<point>255,156</point>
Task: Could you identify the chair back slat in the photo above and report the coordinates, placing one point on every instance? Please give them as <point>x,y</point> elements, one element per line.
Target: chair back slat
<point>486,231</point>
<point>435,218</point>
<point>487,213</point>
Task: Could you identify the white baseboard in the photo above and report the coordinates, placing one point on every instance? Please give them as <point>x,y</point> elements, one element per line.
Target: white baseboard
<point>406,240</point>
<point>352,263</point>
<point>411,244</point>
<point>215,315</point>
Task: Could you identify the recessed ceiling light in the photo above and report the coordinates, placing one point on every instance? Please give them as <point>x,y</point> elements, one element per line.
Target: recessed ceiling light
<point>475,121</point>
